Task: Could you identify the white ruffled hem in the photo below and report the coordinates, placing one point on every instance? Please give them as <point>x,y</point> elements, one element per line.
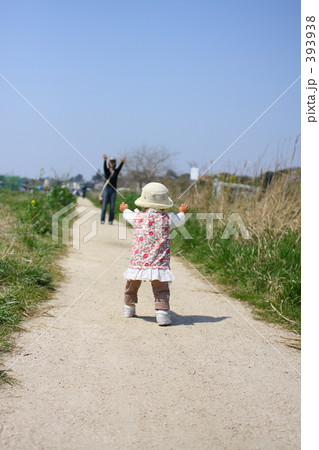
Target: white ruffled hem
<point>149,274</point>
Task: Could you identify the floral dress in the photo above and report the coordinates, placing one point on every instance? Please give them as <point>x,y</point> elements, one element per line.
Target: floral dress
<point>150,257</point>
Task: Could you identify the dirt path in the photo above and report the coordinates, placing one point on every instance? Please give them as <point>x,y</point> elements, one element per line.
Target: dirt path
<point>90,379</point>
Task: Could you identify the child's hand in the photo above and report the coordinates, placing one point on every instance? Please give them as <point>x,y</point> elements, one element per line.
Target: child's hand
<point>184,208</point>
<point>123,206</point>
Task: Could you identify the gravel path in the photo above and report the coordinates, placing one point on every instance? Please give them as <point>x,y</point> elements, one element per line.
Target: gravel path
<point>91,379</point>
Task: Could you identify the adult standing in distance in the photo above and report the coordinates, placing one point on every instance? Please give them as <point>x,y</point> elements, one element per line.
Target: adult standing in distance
<point>109,192</point>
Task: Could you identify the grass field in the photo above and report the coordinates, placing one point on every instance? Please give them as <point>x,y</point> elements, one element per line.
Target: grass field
<point>264,270</point>
<point>28,272</point>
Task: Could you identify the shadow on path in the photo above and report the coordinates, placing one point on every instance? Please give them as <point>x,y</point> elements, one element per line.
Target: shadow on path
<point>186,320</point>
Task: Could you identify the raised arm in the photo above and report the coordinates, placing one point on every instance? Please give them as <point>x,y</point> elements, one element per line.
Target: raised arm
<point>177,220</point>
<point>121,164</point>
<point>106,169</point>
<point>128,215</point>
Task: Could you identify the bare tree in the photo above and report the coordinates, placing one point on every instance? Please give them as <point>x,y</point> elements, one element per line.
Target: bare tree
<point>147,163</point>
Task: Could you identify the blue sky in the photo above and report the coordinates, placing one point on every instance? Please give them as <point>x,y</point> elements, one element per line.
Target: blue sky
<point>113,75</point>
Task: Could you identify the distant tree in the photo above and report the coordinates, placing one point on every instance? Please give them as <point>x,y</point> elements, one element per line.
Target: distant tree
<point>171,174</point>
<point>78,178</point>
<point>224,176</point>
<point>245,179</point>
<point>147,163</point>
<point>266,179</point>
<point>98,176</point>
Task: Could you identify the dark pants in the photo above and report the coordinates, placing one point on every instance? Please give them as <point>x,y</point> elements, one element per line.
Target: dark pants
<point>160,291</point>
<point>109,197</point>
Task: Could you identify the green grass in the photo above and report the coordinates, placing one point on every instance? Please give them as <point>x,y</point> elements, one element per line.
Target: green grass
<point>28,272</point>
<point>260,271</point>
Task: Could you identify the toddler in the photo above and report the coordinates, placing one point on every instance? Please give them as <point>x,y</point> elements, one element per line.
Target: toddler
<point>150,258</point>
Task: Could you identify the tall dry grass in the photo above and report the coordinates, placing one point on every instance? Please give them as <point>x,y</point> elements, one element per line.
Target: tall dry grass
<point>263,270</point>
<point>275,207</point>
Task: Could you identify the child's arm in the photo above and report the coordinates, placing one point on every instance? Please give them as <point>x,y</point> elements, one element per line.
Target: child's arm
<point>177,220</point>
<point>123,206</point>
<point>128,215</point>
<point>184,208</point>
